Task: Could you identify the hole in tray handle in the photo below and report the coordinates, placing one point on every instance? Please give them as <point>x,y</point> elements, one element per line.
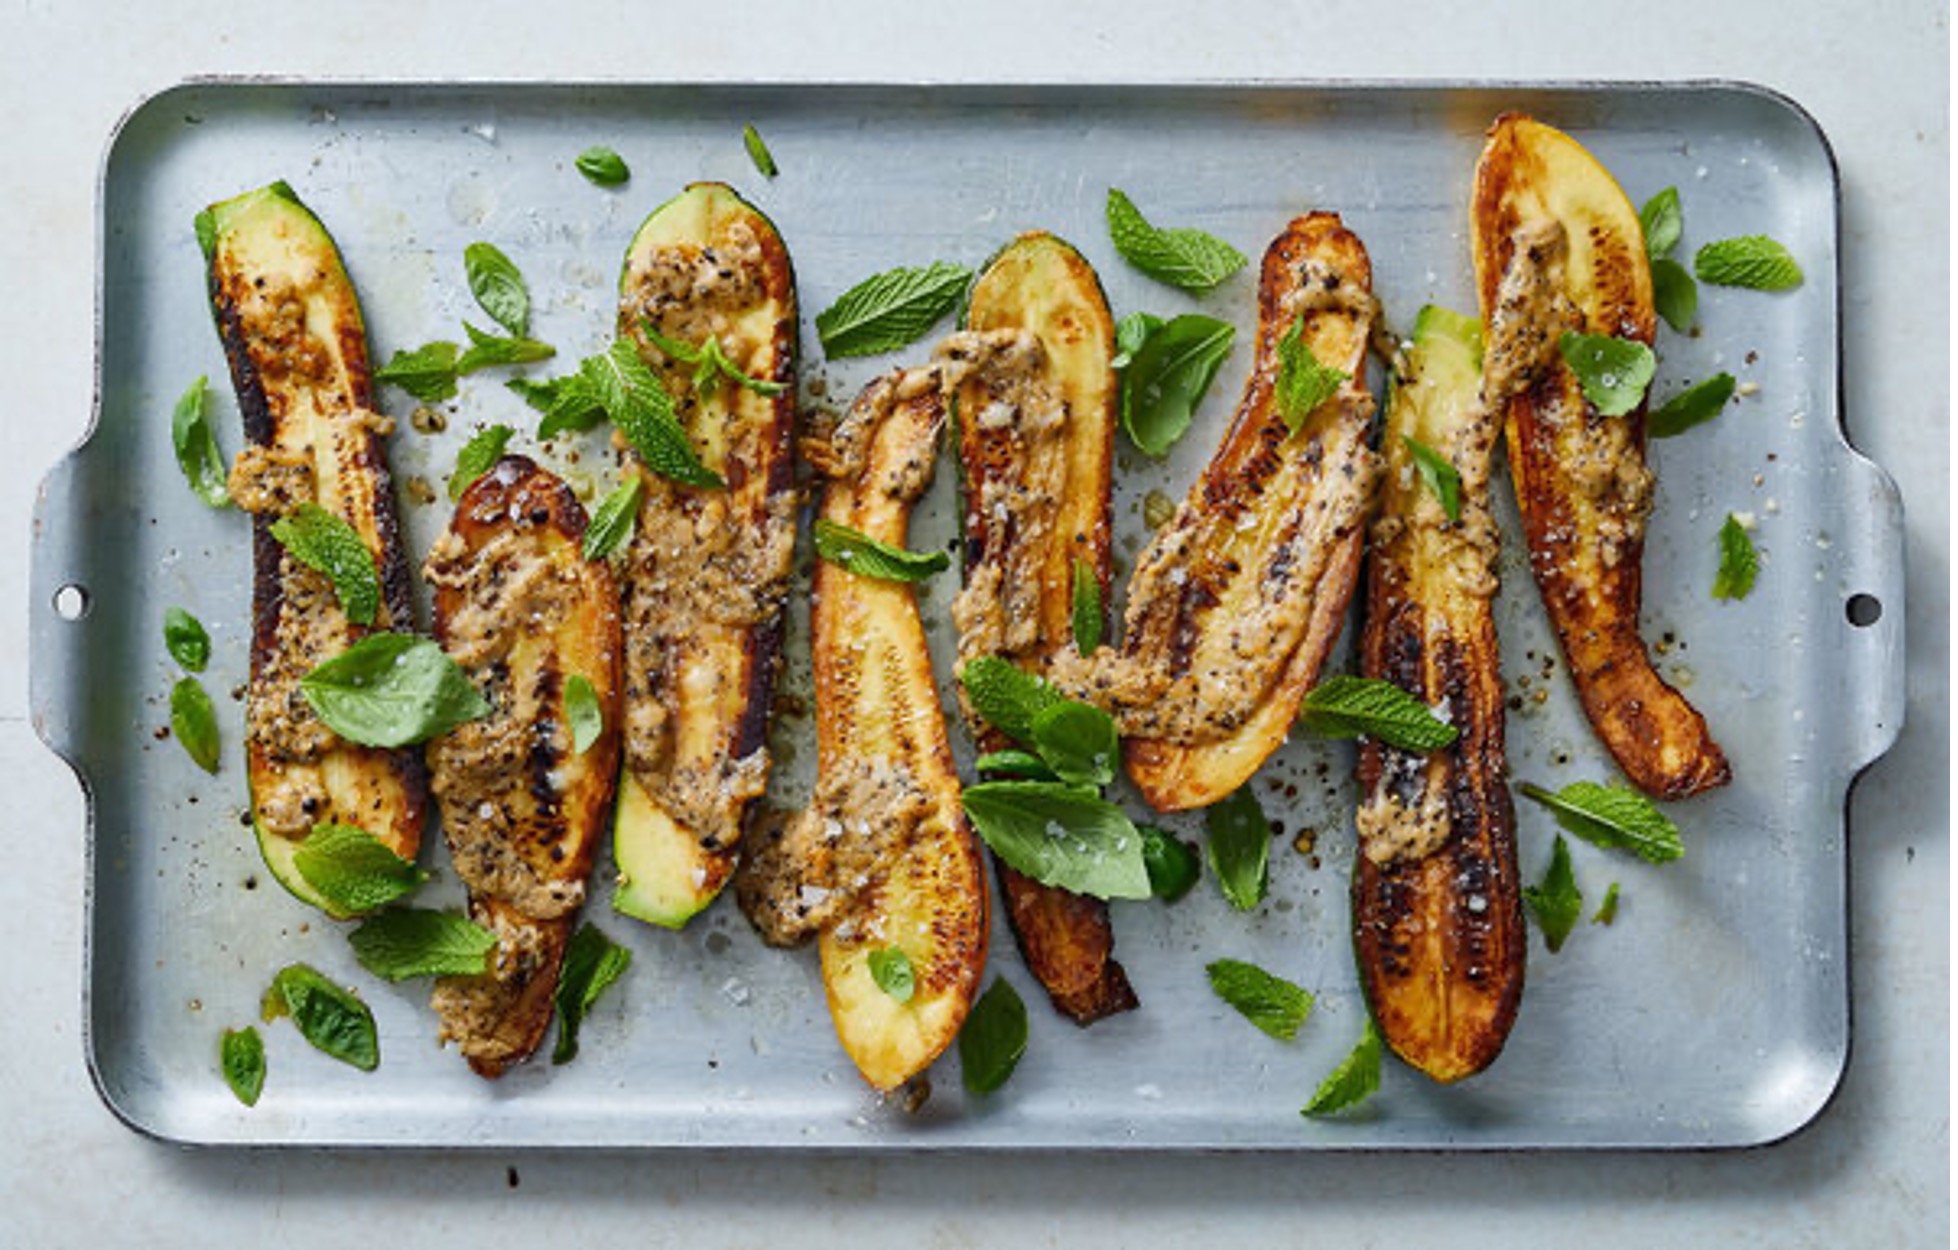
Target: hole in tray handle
<point>1863,611</point>
<point>71,602</point>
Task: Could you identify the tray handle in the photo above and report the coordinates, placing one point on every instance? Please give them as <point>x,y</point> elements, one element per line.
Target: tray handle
<point>1872,621</point>
<point>61,608</point>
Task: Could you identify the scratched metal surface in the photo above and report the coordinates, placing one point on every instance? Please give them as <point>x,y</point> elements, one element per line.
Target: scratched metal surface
<point>1713,1013</point>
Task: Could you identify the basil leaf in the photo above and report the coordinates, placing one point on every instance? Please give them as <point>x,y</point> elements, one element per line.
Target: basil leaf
<point>389,690</point>
<point>859,553</point>
<point>1303,383</point>
<point>1168,377</point>
<point>1753,261</point>
<point>1088,619</point>
<point>1674,294</point>
<point>1015,764</point>
<point>569,403</point>
<point>637,402</point>
<point>486,350</point>
<point>1239,848</point>
<point>335,1021</point>
<point>889,310</point>
<point>615,518</point>
<point>1060,835</point>
<point>1612,817</point>
<point>603,167</point>
<point>1438,473</point>
<point>891,969</point>
<point>1607,910</point>
<point>428,372</point>
<point>1344,706</point>
<point>1186,258</point>
<point>1131,332</point>
<point>197,447</point>
<point>1353,1081</point>
<point>1274,1004</point>
<point>592,962</point>
<point>582,710</point>
<point>1006,696</point>
<point>1078,742</point>
<point>1691,407</point>
<point>352,870</point>
<point>1614,372</point>
<point>1172,866</point>
<point>184,638</point>
<point>477,457</point>
<point>1661,221</point>
<point>195,723</point>
<point>758,152</point>
<point>320,540</point>
<point>241,1055</point>
<point>406,942</point>
<point>1555,902</point>
<point>498,287</point>
<point>1739,562</point>
<point>993,1038</point>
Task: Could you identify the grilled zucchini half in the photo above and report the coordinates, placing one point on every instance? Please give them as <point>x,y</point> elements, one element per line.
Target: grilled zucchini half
<point>1558,248</point>
<point>524,614</point>
<point>1034,399</point>
<point>1437,906</point>
<point>706,576</point>
<point>296,347</point>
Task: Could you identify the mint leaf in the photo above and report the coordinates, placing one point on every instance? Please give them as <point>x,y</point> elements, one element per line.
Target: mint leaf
<point>1612,817</point>
<point>1060,835</point>
<point>592,962</point>
<point>1607,910</point>
<point>406,942</point>
<point>320,540</point>
<point>582,709</point>
<point>636,401</point>
<point>335,1021</point>
<point>615,518</point>
<point>1344,706</point>
<point>758,152</point>
<point>1661,221</point>
<point>1674,294</point>
<point>197,447</point>
<point>569,403</point>
<point>390,690</point>
<point>1353,1081</point>
<point>1172,866</point>
<point>1556,902</point>
<point>1274,1004</point>
<point>1691,407</point>
<point>1167,377</point>
<point>241,1056</point>
<point>1753,261</point>
<point>1439,475</point>
<point>603,167</point>
<point>1006,696</point>
<point>1614,372</point>
<point>1303,383</point>
<point>862,554</point>
<point>1014,763</point>
<point>1079,742</point>
<point>890,968</point>
<point>477,457</point>
<point>428,372</point>
<point>710,364</point>
<point>1131,332</point>
<point>889,310</point>
<point>1739,562</point>
<point>184,638</point>
<point>1186,258</point>
<point>1086,616</point>
<point>1239,848</point>
<point>498,286</point>
<point>195,723</point>
<point>486,350</point>
<point>352,870</point>
<point>993,1038</point>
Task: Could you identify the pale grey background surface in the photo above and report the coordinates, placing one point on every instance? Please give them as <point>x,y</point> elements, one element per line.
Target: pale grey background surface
<point>1873,1171</point>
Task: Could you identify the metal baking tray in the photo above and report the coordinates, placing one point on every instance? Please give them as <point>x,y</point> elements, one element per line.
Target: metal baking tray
<point>1713,1013</point>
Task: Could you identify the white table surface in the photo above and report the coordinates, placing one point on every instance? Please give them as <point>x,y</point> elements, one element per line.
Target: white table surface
<point>1874,1171</point>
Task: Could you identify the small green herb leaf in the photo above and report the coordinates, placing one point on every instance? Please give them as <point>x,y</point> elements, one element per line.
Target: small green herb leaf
<point>1344,706</point>
<point>1607,910</point>
<point>406,942</point>
<point>498,286</point>
<point>390,690</point>
<point>603,167</point>
<point>1186,258</point>
<point>710,364</point>
<point>581,708</point>
<point>241,1055</point>
<point>1691,407</point>
<point>1674,294</point>
<point>486,350</point>
<point>195,723</point>
<point>1614,372</point>
<point>1239,848</point>
<point>1014,763</point>
<point>993,1038</point>
<point>352,870</point>
<point>477,457</point>
<point>890,967</point>
<point>1060,835</point>
<point>1079,742</point>
<point>1438,473</point>
<point>428,372</point>
<point>1753,261</point>
<point>1739,562</point>
<point>1555,902</point>
<point>1353,1081</point>
<point>861,554</point>
<point>1131,332</point>
<point>889,310</point>
<point>320,540</point>
<point>1612,817</point>
<point>1167,378</point>
<point>1087,617</point>
<point>335,1021</point>
<point>1303,383</point>
<point>1274,1004</point>
<point>637,402</point>
<point>758,152</point>
<point>197,447</point>
<point>615,518</point>
<point>592,962</point>
<point>1173,867</point>
<point>1661,221</point>
<point>1006,696</point>
<point>184,638</point>
<point>569,404</point>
